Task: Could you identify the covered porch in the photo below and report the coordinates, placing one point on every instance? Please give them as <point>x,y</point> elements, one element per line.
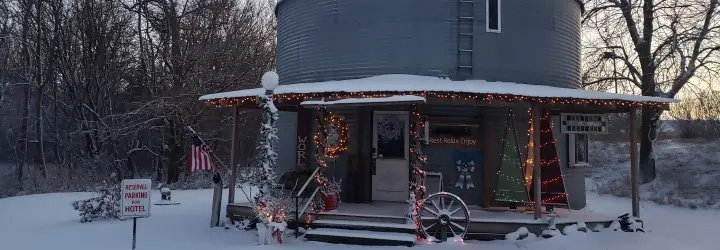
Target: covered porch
<point>409,97</point>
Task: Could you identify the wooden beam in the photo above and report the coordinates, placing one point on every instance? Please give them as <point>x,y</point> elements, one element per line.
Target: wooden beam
<point>233,161</point>
<point>634,168</point>
<point>537,178</point>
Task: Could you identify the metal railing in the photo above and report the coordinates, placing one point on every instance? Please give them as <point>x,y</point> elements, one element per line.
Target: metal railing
<point>296,197</point>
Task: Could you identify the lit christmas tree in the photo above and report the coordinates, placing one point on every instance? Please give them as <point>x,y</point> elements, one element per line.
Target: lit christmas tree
<point>552,179</point>
<point>511,186</point>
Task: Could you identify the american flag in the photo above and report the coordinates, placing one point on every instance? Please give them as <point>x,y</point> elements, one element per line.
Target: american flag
<point>199,155</point>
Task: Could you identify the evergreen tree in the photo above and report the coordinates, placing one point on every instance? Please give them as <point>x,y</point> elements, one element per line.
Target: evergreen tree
<point>105,205</point>
<point>511,186</point>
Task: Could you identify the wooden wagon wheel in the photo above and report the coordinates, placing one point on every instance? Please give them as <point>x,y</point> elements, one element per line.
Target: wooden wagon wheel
<point>443,214</point>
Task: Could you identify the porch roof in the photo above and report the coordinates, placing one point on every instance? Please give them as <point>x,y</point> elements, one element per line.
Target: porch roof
<point>389,85</point>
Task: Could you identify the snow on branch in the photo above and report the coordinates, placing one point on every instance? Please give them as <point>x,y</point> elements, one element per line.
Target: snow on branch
<point>105,205</point>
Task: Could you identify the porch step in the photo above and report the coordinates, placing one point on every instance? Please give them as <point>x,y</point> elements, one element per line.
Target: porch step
<point>359,217</point>
<point>365,225</point>
<point>360,237</point>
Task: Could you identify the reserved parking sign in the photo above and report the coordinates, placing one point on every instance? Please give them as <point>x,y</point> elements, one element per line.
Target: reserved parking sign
<point>135,201</point>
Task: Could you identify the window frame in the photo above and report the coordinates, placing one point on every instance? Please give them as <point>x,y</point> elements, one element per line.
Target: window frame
<point>499,17</point>
<point>572,149</point>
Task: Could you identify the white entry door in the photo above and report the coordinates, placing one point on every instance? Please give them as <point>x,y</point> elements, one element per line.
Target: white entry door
<point>390,143</point>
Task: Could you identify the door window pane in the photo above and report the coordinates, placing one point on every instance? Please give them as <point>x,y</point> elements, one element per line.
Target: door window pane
<point>391,136</point>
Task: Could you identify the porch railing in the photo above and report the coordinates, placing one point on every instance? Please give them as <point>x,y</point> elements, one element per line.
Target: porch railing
<point>306,200</point>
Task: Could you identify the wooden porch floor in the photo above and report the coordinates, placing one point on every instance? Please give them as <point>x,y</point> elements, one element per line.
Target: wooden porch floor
<point>477,214</point>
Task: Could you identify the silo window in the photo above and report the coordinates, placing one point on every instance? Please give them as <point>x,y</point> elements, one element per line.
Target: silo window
<point>492,14</point>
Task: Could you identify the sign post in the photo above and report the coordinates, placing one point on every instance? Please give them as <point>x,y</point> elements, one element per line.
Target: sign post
<point>135,201</point>
<point>134,231</point>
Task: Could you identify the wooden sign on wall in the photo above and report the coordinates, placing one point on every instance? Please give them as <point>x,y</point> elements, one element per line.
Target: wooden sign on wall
<point>302,145</point>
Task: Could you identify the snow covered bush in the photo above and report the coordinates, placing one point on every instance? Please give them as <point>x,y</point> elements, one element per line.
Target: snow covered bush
<point>630,224</point>
<point>106,205</point>
<point>582,227</point>
<point>520,234</point>
<point>551,229</point>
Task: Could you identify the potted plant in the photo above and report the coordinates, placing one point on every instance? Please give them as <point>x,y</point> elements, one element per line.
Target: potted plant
<point>330,193</point>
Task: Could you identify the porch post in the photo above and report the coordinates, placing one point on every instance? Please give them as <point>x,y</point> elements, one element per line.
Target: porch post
<point>634,168</point>
<point>536,160</point>
<point>233,162</point>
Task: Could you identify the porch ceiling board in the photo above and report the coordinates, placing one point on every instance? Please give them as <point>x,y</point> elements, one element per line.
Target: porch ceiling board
<point>477,91</point>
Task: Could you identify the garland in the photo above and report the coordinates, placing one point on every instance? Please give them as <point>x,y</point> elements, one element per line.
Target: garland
<point>417,164</point>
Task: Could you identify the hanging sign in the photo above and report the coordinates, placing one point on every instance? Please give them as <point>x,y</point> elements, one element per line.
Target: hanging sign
<point>574,123</point>
<point>454,141</point>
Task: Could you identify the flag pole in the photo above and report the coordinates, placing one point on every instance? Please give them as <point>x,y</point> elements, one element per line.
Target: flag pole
<point>209,149</point>
<point>221,163</point>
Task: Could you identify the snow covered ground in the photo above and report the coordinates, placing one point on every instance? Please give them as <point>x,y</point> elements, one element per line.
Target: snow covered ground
<point>688,172</point>
<point>47,221</point>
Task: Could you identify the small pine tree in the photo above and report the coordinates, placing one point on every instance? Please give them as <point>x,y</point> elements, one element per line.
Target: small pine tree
<point>106,205</point>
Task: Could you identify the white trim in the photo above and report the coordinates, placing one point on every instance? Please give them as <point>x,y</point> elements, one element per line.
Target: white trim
<point>572,161</point>
<point>487,17</point>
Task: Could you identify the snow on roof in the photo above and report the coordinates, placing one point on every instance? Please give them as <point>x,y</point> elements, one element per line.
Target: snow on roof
<point>413,83</point>
<point>394,99</point>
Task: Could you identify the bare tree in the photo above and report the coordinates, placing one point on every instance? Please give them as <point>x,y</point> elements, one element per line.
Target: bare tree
<point>655,47</point>
<point>205,46</point>
<point>698,116</point>
<point>102,90</point>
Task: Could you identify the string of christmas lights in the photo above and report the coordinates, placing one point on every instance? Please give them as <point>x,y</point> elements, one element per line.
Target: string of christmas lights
<point>550,168</point>
<point>418,161</point>
<point>510,188</point>
<point>269,205</point>
<point>332,123</point>
<point>293,97</point>
<point>323,151</point>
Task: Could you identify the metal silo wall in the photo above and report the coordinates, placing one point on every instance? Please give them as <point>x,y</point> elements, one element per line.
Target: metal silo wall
<point>320,40</point>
